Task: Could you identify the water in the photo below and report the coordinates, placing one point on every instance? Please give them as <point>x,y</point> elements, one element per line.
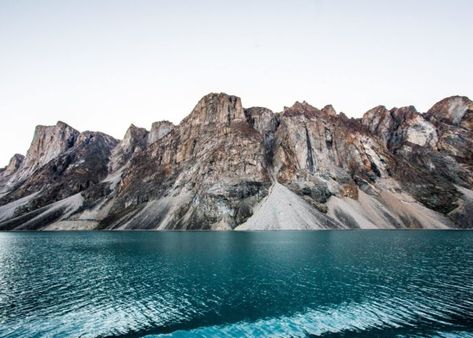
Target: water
<point>330,284</point>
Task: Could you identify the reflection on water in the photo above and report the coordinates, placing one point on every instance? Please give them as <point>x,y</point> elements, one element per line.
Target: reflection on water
<point>355,283</point>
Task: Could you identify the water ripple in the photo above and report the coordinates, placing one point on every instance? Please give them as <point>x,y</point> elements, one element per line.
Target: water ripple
<point>299,284</point>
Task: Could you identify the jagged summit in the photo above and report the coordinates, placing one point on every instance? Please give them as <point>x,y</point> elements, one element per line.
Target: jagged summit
<point>14,164</point>
<point>454,110</point>
<point>159,130</point>
<point>226,167</point>
<point>221,108</point>
<point>135,134</point>
<point>301,108</point>
<point>48,142</point>
<point>329,110</point>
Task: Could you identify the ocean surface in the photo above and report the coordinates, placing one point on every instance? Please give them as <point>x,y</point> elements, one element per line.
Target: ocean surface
<point>280,284</point>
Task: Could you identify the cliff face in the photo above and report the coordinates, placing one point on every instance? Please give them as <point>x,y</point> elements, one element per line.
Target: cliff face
<point>226,167</point>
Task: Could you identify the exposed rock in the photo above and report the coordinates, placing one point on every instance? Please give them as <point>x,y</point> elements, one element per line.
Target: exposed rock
<point>159,130</point>
<point>400,126</point>
<point>216,109</point>
<point>135,140</point>
<point>261,119</point>
<point>454,110</point>
<point>225,167</point>
<point>329,110</point>
<point>349,190</point>
<point>77,169</point>
<point>15,163</point>
<point>303,108</point>
<point>48,142</point>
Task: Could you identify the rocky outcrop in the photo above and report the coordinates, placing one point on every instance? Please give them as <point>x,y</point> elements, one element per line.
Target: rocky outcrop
<point>454,110</point>
<point>400,127</point>
<point>15,163</point>
<point>76,168</point>
<point>215,109</point>
<point>48,142</point>
<point>7,173</point>
<point>226,167</point>
<point>134,141</point>
<point>159,130</point>
<point>204,174</point>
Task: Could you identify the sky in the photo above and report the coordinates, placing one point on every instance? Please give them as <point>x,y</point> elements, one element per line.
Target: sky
<point>102,65</point>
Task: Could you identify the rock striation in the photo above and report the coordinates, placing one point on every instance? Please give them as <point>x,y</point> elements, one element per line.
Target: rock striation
<point>225,167</point>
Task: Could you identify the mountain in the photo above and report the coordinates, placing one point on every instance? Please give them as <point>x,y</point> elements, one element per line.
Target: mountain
<point>225,167</point>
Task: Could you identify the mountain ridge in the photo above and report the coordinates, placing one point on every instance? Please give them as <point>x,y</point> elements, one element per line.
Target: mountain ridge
<point>228,167</point>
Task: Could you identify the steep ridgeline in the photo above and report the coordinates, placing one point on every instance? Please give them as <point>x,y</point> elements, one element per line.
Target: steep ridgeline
<point>225,167</point>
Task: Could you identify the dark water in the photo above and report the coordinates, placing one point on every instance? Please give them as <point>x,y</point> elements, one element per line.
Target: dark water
<point>329,284</point>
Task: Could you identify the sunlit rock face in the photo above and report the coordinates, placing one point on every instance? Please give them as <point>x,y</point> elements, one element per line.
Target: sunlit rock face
<point>454,110</point>
<point>225,167</point>
<point>207,173</point>
<point>48,142</point>
<point>159,130</point>
<point>15,163</point>
<point>400,127</point>
<point>134,141</point>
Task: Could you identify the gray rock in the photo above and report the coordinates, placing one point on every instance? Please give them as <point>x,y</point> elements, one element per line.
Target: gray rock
<point>225,167</point>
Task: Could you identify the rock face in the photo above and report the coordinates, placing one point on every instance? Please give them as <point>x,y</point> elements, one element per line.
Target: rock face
<point>159,130</point>
<point>48,142</point>
<point>455,110</point>
<point>15,163</point>
<point>225,167</point>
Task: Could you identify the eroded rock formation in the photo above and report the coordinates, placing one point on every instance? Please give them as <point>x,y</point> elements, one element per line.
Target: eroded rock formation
<point>225,167</point>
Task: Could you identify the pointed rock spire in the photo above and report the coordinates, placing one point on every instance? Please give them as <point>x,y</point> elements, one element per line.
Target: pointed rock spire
<point>329,110</point>
<point>301,108</point>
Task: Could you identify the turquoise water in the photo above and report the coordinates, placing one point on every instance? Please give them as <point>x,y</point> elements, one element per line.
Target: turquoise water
<point>299,284</point>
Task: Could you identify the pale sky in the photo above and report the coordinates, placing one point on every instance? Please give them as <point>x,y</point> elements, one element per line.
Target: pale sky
<point>102,65</point>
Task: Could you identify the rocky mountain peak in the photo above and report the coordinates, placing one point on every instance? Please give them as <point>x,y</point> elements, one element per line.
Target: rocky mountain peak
<point>135,139</point>
<point>62,125</point>
<point>219,109</point>
<point>48,142</point>
<point>374,116</point>
<point>301,108</point>
<point>454,110</point>
<point>15,163</point>
<point>407,112</point>
<point>226,167</point>
<point>329,110</point>
<point>159,130</point>
<point>87,137</point>
<point>134,136</point>
<point>399,126</point>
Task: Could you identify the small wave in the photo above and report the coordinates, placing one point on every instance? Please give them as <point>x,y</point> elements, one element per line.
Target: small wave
<point>370,318</point>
